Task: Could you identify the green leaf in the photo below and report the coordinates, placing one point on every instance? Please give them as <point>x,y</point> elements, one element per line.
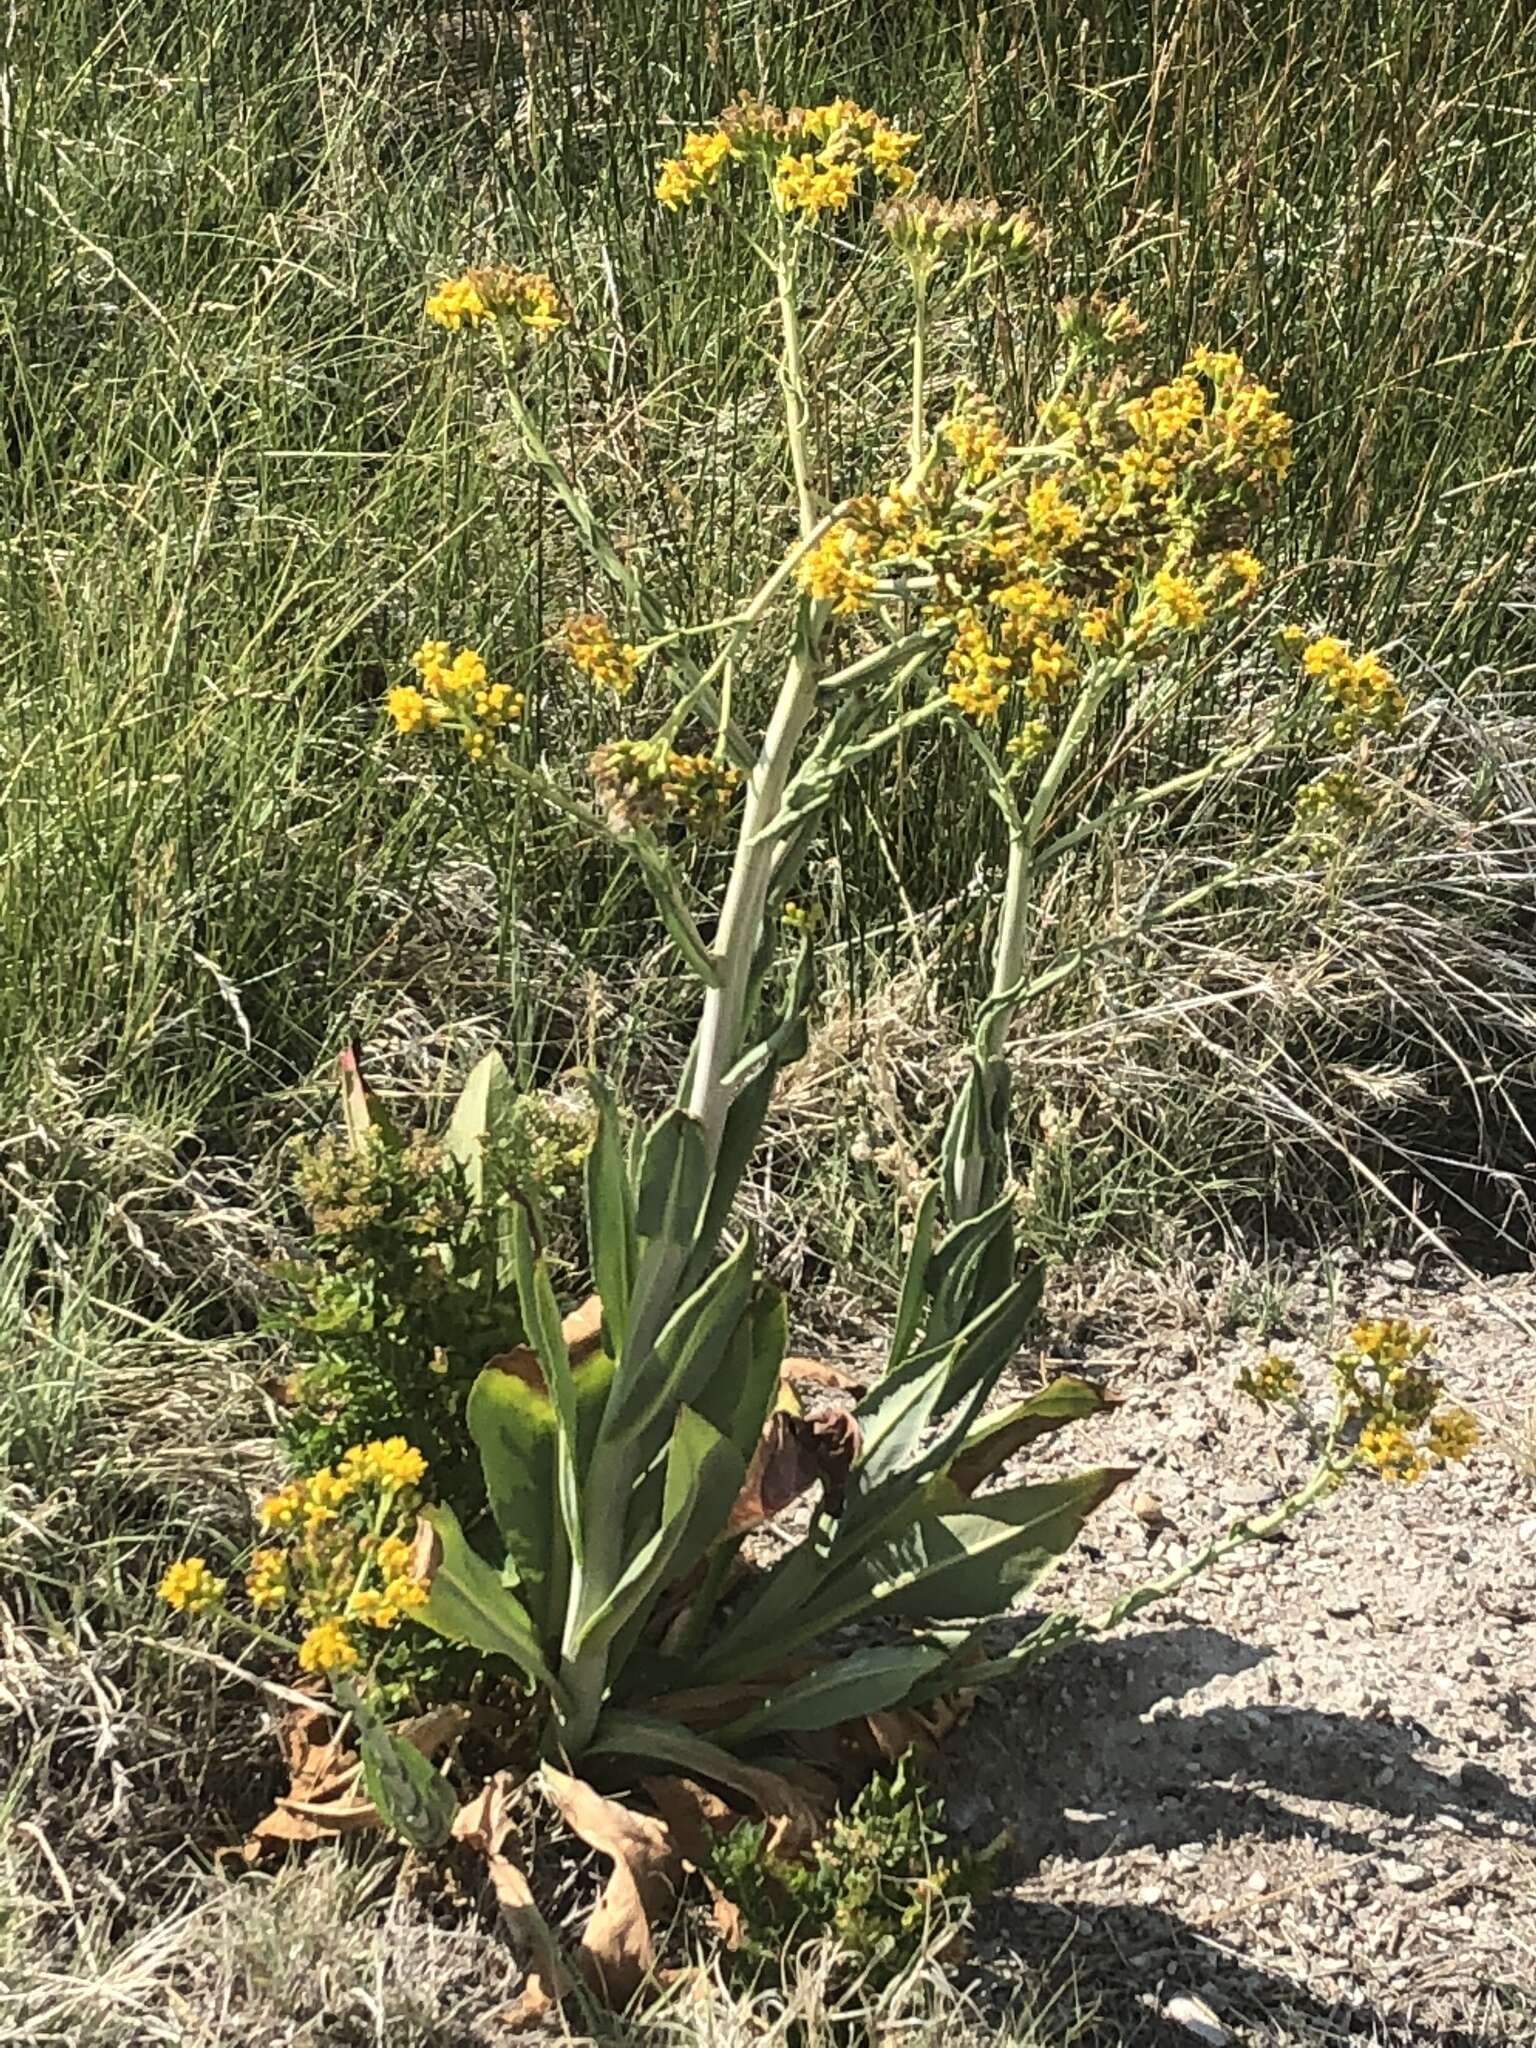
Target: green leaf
<point>975,1560</point>
<point>914,1284</point>
<point>738,1136</point>
<point>416,1802</point>
<point>970,1255</point>
<point>541,1319</point>
<point>940,1563</point>
<point>894,1460</point>
<point>704,1474</point>
<point>994,1441</point>
<point>739,1397</point>
<point>467,1603</point>
<point>673,1180</point>
<point>864,1682</point>
<point>514,1431</point>
<point>610,1217</point>
<point>964,1136</point>
<point>483,1116</point>
<point>686,1353</point>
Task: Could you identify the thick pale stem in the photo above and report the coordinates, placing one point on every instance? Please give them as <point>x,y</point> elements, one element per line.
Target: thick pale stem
<point>919,435</point>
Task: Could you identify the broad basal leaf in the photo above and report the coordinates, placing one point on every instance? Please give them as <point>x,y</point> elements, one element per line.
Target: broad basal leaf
<point>466,1601</point>
<point>997,1438</point>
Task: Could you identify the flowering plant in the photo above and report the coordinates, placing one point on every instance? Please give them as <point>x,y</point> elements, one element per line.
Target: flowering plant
<point>1035,589</point>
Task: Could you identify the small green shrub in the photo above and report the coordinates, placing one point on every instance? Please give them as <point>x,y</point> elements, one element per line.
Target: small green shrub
<point>878,1884</point>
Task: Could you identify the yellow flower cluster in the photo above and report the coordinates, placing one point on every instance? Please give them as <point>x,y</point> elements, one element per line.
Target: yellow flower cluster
<point>927,231</point>
<point>388,1464</point>
<point>1121,533</point>
<point>835,569</point>
<point>1360,687</point>
<point>587,640</point>
<point>476,298</point>
<point>454,692</point>
<point>813,157</point>
<point>190,1587</point>
<point>345,1564</point>
<point>648,784</point>
<point>1274,1378</point>
<point>1333,807</point>
<point>1383,1383</point>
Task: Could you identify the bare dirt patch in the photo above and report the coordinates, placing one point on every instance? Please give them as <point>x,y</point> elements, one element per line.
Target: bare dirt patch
<point>1305,1790</point>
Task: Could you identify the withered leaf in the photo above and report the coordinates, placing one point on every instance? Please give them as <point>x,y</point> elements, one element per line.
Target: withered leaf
<point>618,1947</point>
<point>482,1826</point>
<point>793,1453</point>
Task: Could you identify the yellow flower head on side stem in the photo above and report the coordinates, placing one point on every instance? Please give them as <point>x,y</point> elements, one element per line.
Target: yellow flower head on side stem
<point>190,1587</point>
<point>590,643</point>
<point>498,295</point>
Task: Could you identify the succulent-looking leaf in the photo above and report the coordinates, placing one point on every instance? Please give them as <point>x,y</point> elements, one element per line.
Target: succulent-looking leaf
<point>483,1117</point>
<point>685,1355</point>
<point>740,1394</point>
<point>466,1601</point>
<point>997,1438</point>
<point>610,1217</point>
<point>864,1682</point>
<point>673,1180</point>
<point>703,1476</point>
<point>513,1428</point>
<point>914,1283</point>
<point>976,1560</point>
<point>415,1802</point>
<point>546,1334</point>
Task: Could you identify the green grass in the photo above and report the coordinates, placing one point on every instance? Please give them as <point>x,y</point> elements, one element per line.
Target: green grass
<point>241,479</point>
<point>245,478</point>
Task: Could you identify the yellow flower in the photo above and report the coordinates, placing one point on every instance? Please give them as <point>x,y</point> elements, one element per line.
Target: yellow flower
<point>1245,569</point>
<point>832,571</point>
<point>266,1580</point>
<point>190,1587</point>
<point>394,1556</point>
<point>475,298</point>
<point>1275,1378</point>
<point>981,447</point>
<point>590,642</point>
<point>1452,1434</point>
<point>1176,602</point>
<point>328,1647</point>
<point>410,709</point>
<point>810,185</point>
<point>889,149</point>
<point>282,1510</point>
<point>1388,1446</point>
<point>405,1593</point>
<point>1053,520</point>
<point>388,1462</point>
<point>682,179</point>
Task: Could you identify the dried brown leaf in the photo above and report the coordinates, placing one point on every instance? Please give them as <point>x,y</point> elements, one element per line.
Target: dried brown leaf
<point>695,1818</point>
<point>793,1453</point>
<point>618,1948</point>
<point>483,1826</point>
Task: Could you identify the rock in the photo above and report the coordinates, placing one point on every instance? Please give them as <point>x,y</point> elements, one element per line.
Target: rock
<point>1400,1269</point>
<point>1408,1877</point>
<point>1256,1882</point>
<point>1196,2019</point>
<point>1247,1494</point>
<point>1151,1895</point>
<point>1342,1608</point>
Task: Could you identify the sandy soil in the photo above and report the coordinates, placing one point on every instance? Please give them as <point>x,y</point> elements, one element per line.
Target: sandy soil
<point>1304,1792</point>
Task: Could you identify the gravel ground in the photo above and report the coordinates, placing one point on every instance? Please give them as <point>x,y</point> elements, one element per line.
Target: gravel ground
<point>1302,1793</point>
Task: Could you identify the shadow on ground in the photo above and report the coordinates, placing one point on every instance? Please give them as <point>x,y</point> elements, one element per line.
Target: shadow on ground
<point>1096,1759</point>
